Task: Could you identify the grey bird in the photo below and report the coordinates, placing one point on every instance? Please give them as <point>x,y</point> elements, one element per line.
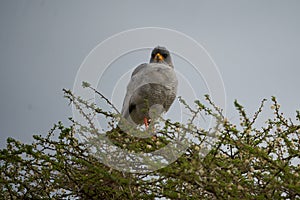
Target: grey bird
<point>151,90</point>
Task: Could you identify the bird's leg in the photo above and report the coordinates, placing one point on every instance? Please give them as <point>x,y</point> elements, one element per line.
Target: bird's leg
<point>146,122</point>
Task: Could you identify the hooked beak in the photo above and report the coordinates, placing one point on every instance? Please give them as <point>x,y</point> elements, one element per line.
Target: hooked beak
<point>158,57</point>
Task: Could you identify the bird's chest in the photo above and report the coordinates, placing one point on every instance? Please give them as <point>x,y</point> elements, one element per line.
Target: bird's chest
<point>154,79</point>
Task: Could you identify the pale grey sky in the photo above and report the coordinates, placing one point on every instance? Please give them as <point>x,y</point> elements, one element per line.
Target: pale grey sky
<point>255,44</point>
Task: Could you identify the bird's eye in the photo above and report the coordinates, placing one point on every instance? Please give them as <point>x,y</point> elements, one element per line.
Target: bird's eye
<point>164,55</point>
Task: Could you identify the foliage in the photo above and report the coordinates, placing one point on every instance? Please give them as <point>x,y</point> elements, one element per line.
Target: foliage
<point>246,162</point>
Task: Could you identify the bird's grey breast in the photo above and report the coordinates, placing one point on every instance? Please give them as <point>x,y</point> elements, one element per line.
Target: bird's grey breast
<point>153,73</point>
<point>155,83</point>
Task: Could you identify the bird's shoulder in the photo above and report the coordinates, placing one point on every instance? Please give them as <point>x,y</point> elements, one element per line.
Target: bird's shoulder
<point>139,68</point>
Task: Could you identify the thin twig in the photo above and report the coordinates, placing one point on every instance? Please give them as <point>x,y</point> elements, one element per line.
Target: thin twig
<point>103,97</point>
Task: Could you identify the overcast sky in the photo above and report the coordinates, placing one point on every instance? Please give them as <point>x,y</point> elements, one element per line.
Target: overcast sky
<point>255,45</point>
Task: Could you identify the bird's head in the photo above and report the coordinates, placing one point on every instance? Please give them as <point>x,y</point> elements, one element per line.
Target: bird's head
<point>161,55</point>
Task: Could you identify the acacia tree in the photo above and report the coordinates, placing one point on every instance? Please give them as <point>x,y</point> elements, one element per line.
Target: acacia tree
<point>245,162</point>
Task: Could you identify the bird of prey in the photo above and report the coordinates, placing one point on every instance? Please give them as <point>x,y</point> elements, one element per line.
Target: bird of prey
<point>151,90</point>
